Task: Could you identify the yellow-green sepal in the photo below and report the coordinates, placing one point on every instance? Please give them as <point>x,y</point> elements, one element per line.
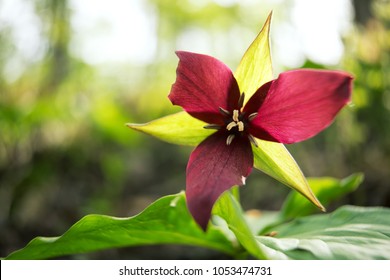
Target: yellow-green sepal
<point>179,128</point>
<point>276,161</point>
<point>254,70</point>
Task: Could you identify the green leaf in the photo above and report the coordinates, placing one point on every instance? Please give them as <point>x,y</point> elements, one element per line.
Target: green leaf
<point>166,221</point>
<point>230,210</point>
<point>255,68</point>
<point>326,189</point>
<point>179,128</point>
<point>276,161</point>
<point>348,233</point>
<point>261,221</point>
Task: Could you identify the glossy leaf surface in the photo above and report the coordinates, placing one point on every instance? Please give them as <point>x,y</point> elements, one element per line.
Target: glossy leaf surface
<point>348,233</point>
<point>166,221</point>
<point>230,210</point>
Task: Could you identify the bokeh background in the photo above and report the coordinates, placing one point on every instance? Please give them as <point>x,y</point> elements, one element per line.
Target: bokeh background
<point>73,72</point>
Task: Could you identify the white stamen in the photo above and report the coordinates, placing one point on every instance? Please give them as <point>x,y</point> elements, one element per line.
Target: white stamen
<point>212,126</point>
<point>224,112</point>
<point>235,115</point>
<point>252,116</point>
<point>243,179</point>
<point>241,100</point>
<point>230,138</point>
<point>240,126</point>
<point>253,140</point>
<point>231,125</point>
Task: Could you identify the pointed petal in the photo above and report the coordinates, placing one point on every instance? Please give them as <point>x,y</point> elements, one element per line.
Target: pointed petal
<point>213,168</point>
<point>255,102</point>
<point>275,160</point>
<point>179,128</point>
<point>252,106</point>
<point>203,84</point>
<point>255,68</point>
<point>301,103</point>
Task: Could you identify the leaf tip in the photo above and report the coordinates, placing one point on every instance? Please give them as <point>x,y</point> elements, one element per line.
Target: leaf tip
<point>268,21</point>
<point>133,125</point>
<point>313,199</point>
<point>176,199</point>
<point>317,203</point>
<point>270,15</point>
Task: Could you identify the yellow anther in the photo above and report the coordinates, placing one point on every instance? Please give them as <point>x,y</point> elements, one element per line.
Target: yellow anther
<point>231,125</point>
<point>240,126</point>
<point>235,115</point>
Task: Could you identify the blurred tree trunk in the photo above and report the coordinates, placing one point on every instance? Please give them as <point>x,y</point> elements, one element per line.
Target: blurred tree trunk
<point>363,11</point>
<point>55,15</point>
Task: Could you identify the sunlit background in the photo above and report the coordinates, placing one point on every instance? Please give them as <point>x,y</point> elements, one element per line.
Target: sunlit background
<point>74,72</point>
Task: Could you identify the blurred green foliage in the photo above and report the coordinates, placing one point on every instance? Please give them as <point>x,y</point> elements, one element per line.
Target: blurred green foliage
<point>360,138</point>
<point>65,151</point>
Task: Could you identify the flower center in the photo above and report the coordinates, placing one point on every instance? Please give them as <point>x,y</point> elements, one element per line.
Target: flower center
<point>235,124</point>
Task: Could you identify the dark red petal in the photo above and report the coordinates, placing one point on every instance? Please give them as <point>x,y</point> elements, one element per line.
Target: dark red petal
<point>213,168</point>
<point>203,84</point>
<point>300,104</point>
<point>257,99</point>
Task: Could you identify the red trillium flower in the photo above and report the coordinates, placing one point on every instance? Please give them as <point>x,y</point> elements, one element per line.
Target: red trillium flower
<point>294,107</point>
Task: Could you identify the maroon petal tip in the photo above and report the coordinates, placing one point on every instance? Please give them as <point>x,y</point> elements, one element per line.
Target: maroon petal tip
<point>302,103</point>
<point>213,168</point>
<point>203,84</point>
